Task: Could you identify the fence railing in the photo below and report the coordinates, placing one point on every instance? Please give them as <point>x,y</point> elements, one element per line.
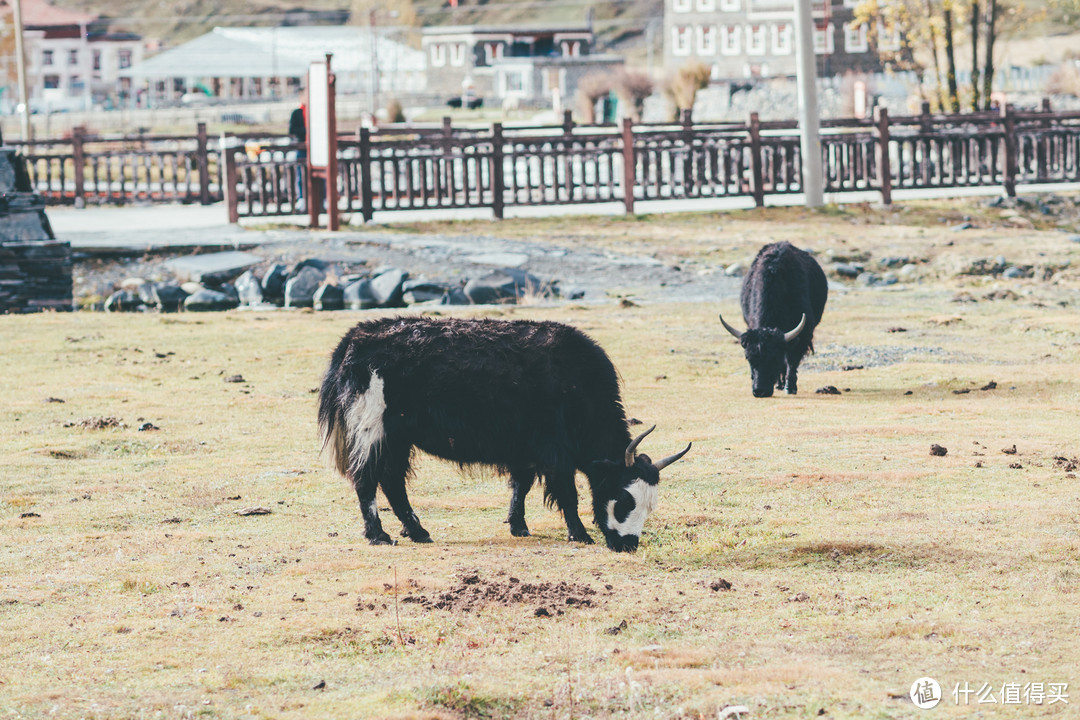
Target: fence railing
<point>395,168</point>
<point>411,168</point>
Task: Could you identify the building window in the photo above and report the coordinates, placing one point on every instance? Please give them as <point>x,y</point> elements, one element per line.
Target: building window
<point>680,40</point>
<point>124,57</point>
<point>729,5</point>
<point>96,60</point>
<point>823,39</point>
<point>457,54</point>
<point>515,82</point>
<point>888,38</point>
<point>680,6</point>
<point>51,82</point>
<point>855,38</point>
<point>46,57</point>
<point>729,40</point>
<point>755,40</point>
<point>73,57</point>
<point>570,49</point>
<point>781,39</point>
<point>438,54</point>
<point>706,40</point>
<point>706,5</point>
<point>492,52</point>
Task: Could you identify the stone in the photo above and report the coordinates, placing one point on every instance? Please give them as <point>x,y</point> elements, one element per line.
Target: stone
<point>867,279</point>
<point>147,294</point>
<point>889,278</point>
<point>1013,272</point>
<point>168,297</point>
<point>848,270</point>
<point>209,301</point>
<point>387,287</point>
<point>908,271</point>
<point>249,289</point>
<point>507,285</point>
<point>320,265</point>
<point>455,296</point>
<point>329,297</point>
<point>504,259</point>
<point>300,289</point>
<point>357,296</point>
<point>962,226</point>
<point>123,301</point>
<point>212,267</point>
<point>735,269</point>
<point>418,291</point>
<point>191,287</point>
<point>273,283</point>
<point>132,283</point>
<point>1073,238</point>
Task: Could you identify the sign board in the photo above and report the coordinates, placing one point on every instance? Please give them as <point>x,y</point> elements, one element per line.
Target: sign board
<point>319,115</point>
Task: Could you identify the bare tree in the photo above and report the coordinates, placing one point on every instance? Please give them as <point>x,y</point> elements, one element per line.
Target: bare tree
<point>976,14</point>
<point>633,87</point>
<point>590,89</point>
<point>950,58</point>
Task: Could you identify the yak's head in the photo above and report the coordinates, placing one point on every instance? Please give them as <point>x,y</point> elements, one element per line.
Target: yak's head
<point>766,351</point>
<point>626,494</point>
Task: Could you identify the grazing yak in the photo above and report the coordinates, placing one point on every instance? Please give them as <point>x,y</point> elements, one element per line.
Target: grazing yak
<point>532,399</point>
<point>785,288</point>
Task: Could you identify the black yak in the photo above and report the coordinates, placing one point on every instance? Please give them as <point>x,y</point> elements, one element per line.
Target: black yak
<point>783,296</point>
<point>533,399</point>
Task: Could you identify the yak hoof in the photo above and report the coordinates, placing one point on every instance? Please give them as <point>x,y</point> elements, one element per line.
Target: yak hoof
<point>420,536</point>
<point>581,537</point>
<point>382,539</point>
<point>520,530</point>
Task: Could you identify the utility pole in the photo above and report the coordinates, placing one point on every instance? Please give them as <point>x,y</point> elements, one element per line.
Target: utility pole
<point>806,69</point>
<point>20,64</point>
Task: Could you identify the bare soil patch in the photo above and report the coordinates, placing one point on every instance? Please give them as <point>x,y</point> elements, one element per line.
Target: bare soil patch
<point>472,592</point>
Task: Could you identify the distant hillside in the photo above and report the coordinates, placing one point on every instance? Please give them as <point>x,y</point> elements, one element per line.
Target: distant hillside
<point>620,24</point>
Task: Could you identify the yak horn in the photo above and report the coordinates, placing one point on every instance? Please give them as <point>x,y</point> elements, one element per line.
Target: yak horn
<point>661,464</point>
<point>792,334</point>
<point>733,331</point>
<point>633,446</point>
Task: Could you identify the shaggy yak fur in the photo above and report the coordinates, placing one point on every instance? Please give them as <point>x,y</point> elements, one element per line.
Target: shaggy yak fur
<point>533,399</point>
<point>783,297</point>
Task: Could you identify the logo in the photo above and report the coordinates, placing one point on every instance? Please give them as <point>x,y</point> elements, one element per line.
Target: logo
<point>925,693</point>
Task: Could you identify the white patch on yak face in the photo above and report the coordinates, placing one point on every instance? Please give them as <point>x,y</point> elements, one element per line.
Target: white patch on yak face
<point>645,502</point>
<point>364,423</point>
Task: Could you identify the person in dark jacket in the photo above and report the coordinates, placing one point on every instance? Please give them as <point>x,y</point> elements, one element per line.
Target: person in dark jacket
<point>298,134</point>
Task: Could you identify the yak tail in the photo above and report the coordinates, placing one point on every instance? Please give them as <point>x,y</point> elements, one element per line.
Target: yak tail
<point>351,420</point>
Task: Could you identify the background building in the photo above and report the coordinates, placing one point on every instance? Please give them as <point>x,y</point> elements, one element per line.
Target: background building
<point>260,63</point>
<point>73,61</point>
<point>528,64</point>
<point>756,38</point>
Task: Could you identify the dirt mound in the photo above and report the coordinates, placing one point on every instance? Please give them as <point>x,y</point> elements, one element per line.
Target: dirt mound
<point>96,423</point>
<point>472,592</point>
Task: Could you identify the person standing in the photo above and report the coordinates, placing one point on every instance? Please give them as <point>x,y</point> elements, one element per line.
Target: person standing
<point>298,134</point>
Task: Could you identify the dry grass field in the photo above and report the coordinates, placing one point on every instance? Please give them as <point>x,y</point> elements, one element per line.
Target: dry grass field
<point>809,558</point>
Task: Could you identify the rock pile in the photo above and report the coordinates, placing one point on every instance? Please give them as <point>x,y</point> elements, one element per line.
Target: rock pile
<point>324,285</point>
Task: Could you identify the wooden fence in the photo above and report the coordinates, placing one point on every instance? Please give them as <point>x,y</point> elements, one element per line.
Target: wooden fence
<point>426,167</point>
<point>412,168</point>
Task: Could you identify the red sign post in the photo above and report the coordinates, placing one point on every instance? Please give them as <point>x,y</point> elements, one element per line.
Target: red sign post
<point>322,145</point>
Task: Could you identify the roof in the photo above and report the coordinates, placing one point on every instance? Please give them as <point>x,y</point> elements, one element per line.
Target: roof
<point>40,14</point>
<point>505,29</point>
<point>259,52</point>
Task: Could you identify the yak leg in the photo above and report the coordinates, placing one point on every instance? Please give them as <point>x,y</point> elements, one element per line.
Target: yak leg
<point>366,483</point>
<point>565,493</point>
<point>521,481</point>
<point>394,463</point>
<point>792,384</point>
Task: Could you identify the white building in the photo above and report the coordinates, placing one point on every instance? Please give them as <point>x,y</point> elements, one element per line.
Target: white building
<point>269,62</point>
<point>73,62</point>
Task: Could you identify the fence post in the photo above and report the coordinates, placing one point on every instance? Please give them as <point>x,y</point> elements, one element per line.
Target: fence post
<point>366,198</point>
<point>78,158</point>
<point>884,169</point>
<point>755,160</point>
<point>202,161</point>
<point>629,165</point>
<point>497,170</point>
<point>688,142</point>
<point>228,187</point>
<point>568,122</point>
<point>1009,178</point>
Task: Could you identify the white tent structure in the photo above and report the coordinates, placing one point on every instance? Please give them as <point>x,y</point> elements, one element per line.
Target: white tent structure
<point>269,62</point>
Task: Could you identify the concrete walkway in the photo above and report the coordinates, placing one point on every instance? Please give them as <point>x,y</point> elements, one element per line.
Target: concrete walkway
<point>127,230</point>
